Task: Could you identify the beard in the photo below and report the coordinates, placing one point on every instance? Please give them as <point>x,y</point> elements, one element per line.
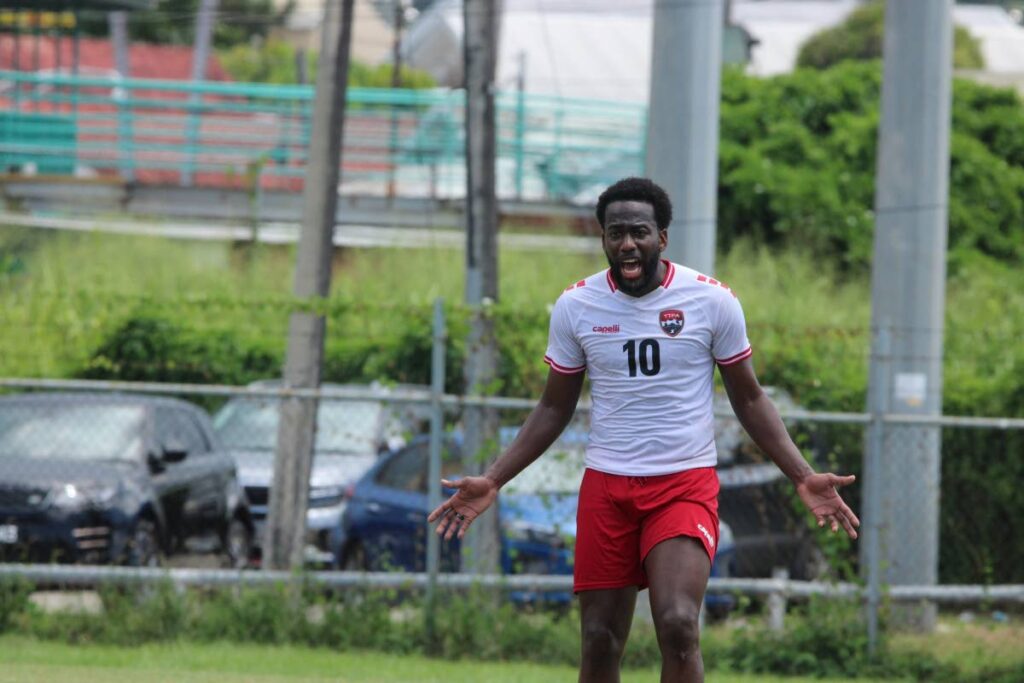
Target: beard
<point>650,271</point>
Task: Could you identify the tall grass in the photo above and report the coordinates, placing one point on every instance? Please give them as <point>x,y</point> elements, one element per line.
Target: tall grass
<point>60,294</point>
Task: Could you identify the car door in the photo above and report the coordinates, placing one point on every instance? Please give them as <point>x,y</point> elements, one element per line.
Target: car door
<point>199,481</point>
<point>396,505</point>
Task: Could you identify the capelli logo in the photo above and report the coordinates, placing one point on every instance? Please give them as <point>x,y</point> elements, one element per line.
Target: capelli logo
<point>711,539</point>
<point>606,329</point>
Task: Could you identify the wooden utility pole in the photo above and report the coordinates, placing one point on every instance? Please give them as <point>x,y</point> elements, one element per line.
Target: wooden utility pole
<point>482,547</point>
<point>289,494</point>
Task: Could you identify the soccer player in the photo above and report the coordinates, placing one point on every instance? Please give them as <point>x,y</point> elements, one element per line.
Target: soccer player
<point>650,334</point>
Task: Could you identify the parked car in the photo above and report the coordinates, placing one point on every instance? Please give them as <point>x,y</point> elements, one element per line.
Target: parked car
<point>351,436</point>
<point>385,524</point>
<point>115,478</point>
<point>769,527</point>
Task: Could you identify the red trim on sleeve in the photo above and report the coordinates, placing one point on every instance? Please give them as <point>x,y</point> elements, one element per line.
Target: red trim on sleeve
<point>731,360</point>
<point>561,369</point>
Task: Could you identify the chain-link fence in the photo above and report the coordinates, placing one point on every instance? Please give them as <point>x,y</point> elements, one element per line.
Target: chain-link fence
<point>85,450</point>
<point>100,472</point>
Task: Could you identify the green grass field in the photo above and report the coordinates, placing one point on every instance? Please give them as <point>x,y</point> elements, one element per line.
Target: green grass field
<point>24,660</point>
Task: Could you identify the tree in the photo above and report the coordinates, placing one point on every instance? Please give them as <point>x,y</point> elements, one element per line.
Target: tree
<point>173,21</point>
<point>859,37</point>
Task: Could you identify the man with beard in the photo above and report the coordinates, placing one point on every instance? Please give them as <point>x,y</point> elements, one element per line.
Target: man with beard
<point>650,334</point>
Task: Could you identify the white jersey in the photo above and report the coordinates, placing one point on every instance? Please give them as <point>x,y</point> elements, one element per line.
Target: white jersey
<point>651,361</point>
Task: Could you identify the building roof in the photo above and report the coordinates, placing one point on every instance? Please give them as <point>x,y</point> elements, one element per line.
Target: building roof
<point>601,48</point>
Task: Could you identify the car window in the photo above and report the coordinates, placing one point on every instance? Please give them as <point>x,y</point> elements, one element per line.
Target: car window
<point>342,426</point>
<point>176,426</point>
<point>71,431</point>
<point>407,471</point>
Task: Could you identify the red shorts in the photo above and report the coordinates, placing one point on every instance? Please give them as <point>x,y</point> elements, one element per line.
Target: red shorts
<point>620,519</point>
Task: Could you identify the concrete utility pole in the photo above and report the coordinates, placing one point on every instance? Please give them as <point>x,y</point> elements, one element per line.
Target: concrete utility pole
<point>200,55</point>
<point>482,548</point>
<point>118,22</point>
<point>682,130</point>
<point>396,82</point>
<point>908,299</point>
<point>289,494</point>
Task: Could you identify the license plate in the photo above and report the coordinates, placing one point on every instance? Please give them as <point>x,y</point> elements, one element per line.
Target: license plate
<point>8,533</point>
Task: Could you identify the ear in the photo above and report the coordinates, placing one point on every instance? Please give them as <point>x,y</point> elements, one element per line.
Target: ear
<point>662,239</point>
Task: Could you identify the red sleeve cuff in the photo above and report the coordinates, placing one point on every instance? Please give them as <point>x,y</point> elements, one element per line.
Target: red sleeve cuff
<point>561,369</point>
<point>731,360</point>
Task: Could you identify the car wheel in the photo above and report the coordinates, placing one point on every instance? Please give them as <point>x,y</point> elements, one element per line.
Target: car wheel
<point>144,547</point>
<point>238,544</point>
<point>354,559</point>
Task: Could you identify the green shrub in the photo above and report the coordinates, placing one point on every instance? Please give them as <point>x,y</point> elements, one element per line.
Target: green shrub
<point>14,595</point>
<point>797,164</point>
<point>276,61</point>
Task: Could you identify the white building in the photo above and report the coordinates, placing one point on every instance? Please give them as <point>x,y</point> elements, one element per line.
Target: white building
<point>601,48</point>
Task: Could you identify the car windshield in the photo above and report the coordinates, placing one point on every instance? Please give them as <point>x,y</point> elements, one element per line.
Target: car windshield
<point>342,426</point>
<point>69,431</point>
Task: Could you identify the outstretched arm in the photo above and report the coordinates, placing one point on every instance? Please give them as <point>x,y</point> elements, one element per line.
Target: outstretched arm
<point>758,416</point>
<point>473,495</point>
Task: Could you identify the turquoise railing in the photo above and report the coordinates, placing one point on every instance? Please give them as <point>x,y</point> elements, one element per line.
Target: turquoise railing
<point>257,135</point>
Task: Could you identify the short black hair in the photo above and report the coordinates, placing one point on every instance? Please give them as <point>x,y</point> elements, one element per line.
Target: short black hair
<point>637,190</point>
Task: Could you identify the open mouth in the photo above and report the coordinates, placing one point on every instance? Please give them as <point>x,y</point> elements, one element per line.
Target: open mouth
<point>631,269</point>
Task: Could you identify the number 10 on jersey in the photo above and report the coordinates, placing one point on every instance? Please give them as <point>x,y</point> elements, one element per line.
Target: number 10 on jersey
<point>646,355</point>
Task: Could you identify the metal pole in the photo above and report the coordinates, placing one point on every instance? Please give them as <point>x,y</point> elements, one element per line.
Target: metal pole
<point>396,83</point>
<point>682,130</point>
<point>908,286</point>
<point>119,37</point>
<point>200,55</point>
<point>437,375</point>
<point>520,125</point>
<point>482,546</point>
<point>289,494</point>
<point>878,400</point>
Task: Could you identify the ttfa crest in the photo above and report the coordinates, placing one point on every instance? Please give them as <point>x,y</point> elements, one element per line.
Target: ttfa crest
<point>671,321</point>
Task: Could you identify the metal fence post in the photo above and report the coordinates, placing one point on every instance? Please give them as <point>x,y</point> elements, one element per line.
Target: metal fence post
<point>878,405</point>
<point>777,601</point>
<point>437,374</point>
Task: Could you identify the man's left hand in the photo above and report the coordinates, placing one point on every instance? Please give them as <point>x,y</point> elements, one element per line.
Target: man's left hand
<point>819,494</point>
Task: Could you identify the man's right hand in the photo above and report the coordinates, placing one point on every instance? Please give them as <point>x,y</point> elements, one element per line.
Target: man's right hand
<point>472,496</point>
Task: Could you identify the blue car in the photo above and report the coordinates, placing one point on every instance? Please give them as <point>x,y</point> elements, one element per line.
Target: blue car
<point>384,525</point>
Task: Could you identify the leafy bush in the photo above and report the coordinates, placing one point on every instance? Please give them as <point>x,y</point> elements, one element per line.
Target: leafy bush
<point>797,164</point>
<point>13,600</point>
<point>860,36</point>
<point>276,61</point>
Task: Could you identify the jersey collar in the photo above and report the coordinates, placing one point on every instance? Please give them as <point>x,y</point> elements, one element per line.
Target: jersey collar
<point>670,272</point>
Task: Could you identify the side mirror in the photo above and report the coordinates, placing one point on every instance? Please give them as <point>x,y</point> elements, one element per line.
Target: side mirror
<point>155,462</point>
<point>174,451</point>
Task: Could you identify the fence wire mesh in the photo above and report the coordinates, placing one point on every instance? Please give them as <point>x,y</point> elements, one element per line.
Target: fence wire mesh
<point>81,462</point>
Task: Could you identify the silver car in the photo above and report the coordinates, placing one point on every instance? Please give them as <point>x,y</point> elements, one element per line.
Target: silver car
<point>351,435</point>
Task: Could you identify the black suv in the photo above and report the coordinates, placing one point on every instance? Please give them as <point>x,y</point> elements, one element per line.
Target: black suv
<point>115,478</point>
